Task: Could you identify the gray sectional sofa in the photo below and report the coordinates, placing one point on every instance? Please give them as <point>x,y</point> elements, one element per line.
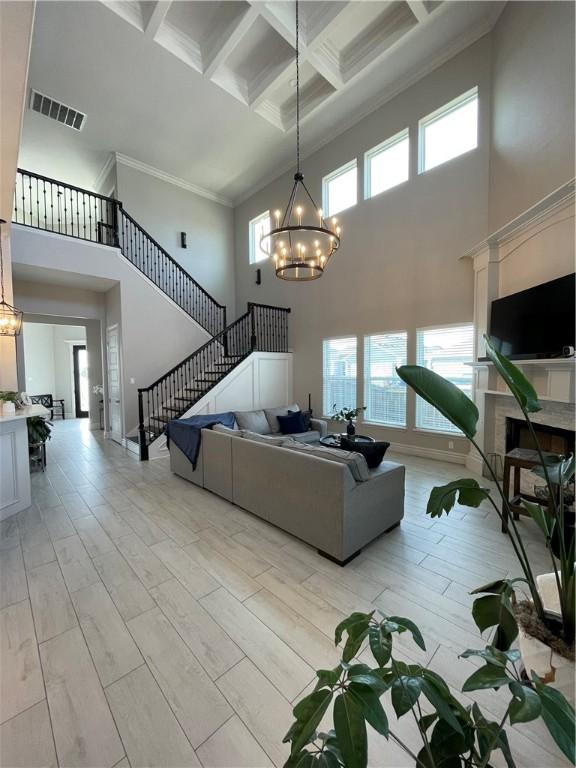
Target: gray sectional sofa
<point>326,497</point>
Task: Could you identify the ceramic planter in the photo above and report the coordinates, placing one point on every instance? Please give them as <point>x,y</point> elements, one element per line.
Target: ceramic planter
<point>551,668</point>
<point>8,408</point>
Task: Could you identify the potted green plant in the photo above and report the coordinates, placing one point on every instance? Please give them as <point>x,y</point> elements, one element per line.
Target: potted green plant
<point>9,401</point>
<point>545,624</point>
<point>453,734</point>
<point>347,416</point>
<point>39,430</point>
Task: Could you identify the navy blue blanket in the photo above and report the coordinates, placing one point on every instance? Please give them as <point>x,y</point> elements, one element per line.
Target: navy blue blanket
<point>185,433</point>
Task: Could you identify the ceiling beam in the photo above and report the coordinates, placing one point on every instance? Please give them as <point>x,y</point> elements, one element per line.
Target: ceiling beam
<point>418,8</point>
<point>225,42</point>
<point>157,16</point>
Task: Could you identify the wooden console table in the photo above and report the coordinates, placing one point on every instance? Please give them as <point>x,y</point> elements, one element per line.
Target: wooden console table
<point>516,460</point>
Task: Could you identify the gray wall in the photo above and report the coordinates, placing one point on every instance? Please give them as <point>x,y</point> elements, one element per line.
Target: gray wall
<point>533,106</point>
<point>398,266</point>
<point>164,210</point>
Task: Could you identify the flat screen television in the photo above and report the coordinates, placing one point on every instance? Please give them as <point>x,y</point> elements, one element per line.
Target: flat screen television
<point>538,322</point>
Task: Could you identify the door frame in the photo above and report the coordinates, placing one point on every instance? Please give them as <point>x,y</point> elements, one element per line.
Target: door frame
<point>117,437</point>
<point>79,413</point>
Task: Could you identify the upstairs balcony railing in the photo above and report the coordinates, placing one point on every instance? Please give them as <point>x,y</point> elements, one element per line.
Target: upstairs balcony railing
<point>51,205</point>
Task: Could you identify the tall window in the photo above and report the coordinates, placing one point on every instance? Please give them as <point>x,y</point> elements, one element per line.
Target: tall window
<point>384,391</point>
<point>446,352</point>
<point>387,165</point>
<point>449,131</point>
<point>338,374</point>
<point>339,189</point>
<point>257,228</point>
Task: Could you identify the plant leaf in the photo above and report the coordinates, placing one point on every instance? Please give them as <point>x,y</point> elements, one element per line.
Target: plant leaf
<point>443,497</point>
<point>327,677</point>
<point>487,676</point>
<point>380,644</point>
<point>303,759</point>
<point>516,382</point>
<point>443,395</point>
<point>351,731</point>
<point>526,705</point>
<point>493,655</point>
<point>371,706</point>
<point>308,713</point>
<point>495,611</point>
<point>441,703</point>
<point>405,693</point>
<point>558,715</point>
<point>541,516</point>
<point>406,624</point>
<point>354,624</point>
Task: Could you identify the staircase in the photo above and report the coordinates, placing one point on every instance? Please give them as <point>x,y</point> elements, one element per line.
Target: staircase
<point>61,208</point>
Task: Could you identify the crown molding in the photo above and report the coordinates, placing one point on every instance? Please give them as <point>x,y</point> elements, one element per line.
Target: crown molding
<point>104,171</point>
<point>543,209</point>
<point>169,179</point>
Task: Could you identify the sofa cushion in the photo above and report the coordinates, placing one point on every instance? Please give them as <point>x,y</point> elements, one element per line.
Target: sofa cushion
<point>255,421</point>
<point>273,413</point>
<point>372,452</point>
<point>307,416</point>
<point>292,423</point>
<point>269,439</point>
<point>354,461</point>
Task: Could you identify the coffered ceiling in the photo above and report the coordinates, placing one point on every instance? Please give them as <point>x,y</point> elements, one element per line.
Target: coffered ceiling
<point>204,90</point>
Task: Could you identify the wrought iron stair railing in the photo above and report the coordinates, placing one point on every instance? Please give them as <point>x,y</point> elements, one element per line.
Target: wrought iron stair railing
<point>54,206</point>
<point>262,328</point>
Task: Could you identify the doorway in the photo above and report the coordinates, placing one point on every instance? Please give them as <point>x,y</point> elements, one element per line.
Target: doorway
<point>114,383</point>
<point>81,388</point>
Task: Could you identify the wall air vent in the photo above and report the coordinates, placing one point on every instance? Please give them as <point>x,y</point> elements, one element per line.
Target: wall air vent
<point>56,111</point>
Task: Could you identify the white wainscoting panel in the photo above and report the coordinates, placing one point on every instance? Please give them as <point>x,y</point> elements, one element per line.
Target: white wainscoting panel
<point>14,467</point>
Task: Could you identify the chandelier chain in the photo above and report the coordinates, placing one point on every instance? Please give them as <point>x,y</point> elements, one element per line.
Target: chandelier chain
<point>1,261</point>
<point>297,90</point>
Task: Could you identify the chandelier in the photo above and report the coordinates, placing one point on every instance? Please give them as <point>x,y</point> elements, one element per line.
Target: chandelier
<point>300,250</point>
<point>10,317</point>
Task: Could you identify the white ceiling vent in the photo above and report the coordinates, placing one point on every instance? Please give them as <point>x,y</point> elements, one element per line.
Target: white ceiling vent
<point>57,111</point>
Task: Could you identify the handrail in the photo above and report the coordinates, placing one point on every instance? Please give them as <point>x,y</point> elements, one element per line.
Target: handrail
<point>178,266</point>
<point>55,206</point>
<point>196,352</point>
<point>34,175</point>
<point>269,306</point>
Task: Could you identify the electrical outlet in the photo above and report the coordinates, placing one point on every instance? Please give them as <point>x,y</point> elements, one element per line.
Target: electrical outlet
<point>451,444</point>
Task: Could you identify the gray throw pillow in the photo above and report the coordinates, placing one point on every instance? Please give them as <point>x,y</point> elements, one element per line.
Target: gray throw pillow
<point>355,462</point>
<point>255,421</point>
<point>273,413</point>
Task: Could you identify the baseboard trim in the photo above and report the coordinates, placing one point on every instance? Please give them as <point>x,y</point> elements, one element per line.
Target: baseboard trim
<point>429,453</point>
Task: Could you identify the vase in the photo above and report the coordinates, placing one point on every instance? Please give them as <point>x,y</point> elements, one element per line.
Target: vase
<point>552,668</point>
<point>350,428</point>
<point>8,408</point>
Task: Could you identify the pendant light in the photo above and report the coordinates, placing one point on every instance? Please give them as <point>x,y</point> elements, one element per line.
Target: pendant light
<point>10,317</point>
<point>300,250</point>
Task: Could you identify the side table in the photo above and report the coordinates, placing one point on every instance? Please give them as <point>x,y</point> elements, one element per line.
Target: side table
<point>514,461</point>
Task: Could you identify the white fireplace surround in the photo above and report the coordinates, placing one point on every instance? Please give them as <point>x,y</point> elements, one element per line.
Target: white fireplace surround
<point>534,248</point>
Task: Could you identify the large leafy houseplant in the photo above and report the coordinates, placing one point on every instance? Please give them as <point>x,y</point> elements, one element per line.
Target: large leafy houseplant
<point>39,430</point>
<point>452,734</point>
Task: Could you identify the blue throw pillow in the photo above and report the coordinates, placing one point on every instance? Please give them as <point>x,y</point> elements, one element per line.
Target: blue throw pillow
<point>292,423</point>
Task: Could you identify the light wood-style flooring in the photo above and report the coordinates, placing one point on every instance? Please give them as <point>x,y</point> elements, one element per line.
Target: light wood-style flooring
<point>146,622</point>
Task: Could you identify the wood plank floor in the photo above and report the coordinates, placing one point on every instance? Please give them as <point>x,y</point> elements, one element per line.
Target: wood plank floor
<point>146,622</point>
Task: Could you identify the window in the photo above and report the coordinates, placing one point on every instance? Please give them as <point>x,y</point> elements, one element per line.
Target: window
<point>387,165</point>
<point>384,391</point>
<point>257,228</point>
<point>449,132</point>
<point>446,352</point>
<point>339,189</point>
<point>339,374</point>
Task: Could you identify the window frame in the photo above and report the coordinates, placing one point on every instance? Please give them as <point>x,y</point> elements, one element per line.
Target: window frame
<point>252,245</point>
<point>367,379</point>
<point>326,180</point>
<point>338,338</point>
<point>377,150</point>
<point>443,111</point>
<point>449,433</point>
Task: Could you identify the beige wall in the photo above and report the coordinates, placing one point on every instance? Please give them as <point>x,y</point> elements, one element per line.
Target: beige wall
<point>398,266</point>
<point>533,106</point>
<point>164,210</point>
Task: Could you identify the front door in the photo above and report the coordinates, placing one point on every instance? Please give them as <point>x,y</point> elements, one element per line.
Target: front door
<point>81,388</point>
<point>114,384</point>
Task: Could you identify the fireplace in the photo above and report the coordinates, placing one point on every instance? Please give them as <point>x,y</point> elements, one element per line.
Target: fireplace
<point>550,439</point>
